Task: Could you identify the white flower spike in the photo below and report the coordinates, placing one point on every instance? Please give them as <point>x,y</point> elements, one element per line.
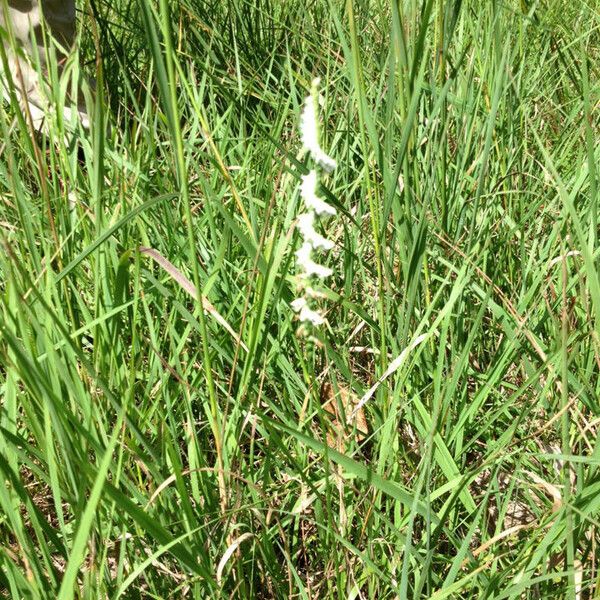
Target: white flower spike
<point>309,131</point>
<point>315,206</point>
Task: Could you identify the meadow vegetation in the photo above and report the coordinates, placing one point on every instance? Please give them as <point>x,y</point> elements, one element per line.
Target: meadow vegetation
<point>165,431</point>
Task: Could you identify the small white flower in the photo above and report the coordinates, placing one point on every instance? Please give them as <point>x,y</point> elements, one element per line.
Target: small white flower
<point>298,304</point>
<point>308,191</point>
<point>309,132</point>
<point>307,229</point>
<point>308,265</point>
<point>311,316</point>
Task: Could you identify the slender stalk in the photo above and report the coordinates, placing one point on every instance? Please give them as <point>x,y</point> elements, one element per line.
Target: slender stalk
<point>183,183</point>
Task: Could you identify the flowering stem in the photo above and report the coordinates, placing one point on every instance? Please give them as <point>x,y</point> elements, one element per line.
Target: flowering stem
<point>315,208</point>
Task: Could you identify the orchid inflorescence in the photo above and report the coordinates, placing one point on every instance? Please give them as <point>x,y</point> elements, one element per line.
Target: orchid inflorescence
<point>315,207</point>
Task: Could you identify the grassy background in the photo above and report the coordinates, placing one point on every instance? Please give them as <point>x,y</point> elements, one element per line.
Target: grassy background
<point>147,454</point>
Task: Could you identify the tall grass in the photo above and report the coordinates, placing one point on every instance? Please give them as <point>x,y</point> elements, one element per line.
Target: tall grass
<point>150,451</point>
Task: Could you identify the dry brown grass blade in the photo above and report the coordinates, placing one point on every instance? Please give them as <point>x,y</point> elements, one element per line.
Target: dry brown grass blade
<point>229,553</point>
<point>393,367</point>
<point>354,416</point>
<point>552,491</point>
<point>502,535</point>
<point>190,288</point>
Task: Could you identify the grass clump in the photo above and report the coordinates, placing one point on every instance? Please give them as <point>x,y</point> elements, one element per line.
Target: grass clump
<point>166,433</point>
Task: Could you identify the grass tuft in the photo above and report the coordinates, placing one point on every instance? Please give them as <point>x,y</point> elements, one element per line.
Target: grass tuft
<point>165,432</point>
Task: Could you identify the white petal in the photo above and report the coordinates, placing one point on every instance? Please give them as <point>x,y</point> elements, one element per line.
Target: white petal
<point>319,206</point>
<point>311,316</point>
<point>309,131</point>
<point>303,254</point>
<point>308,265</point>
<point>318,270</point>
<point>308,187</point>
<point>318,241</point>
<point>306,227</point>
<point>306,222</point>
<point>308,191</point>
<point>325,161</point>
<point>298,304</point>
